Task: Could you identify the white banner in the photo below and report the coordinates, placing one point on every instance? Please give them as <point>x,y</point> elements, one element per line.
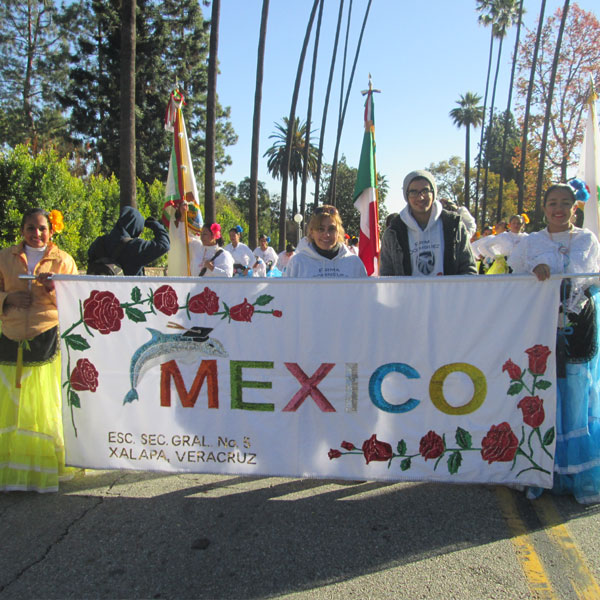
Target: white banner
<point>446,379</point>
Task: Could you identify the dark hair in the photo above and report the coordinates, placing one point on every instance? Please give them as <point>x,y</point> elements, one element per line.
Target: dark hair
<point>290,248</point>
<point>35,211</point>
<point>560,186</point>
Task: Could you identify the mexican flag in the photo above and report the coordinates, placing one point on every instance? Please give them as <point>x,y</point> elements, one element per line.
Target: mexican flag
<point>589,167</point>
<point>181,186</point>
<point>365,193</point>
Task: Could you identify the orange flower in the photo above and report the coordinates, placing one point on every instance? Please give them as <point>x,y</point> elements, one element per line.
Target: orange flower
<point>56,220</point>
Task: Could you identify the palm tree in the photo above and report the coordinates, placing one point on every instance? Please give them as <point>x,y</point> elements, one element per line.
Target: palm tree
<point>538,38</point>
<point>309,110</point>
<point>502,14</point>
<point>507,113</point>
<point>287,149</point>
<point>127,194</point>
<point>343,111</point>
<point>326,104</point>
<point>253,208</point>
<point>469,113</point>
<point>277,155</point>
<point>485,20</point>
<point>211,116</point>
<point>548,115</point>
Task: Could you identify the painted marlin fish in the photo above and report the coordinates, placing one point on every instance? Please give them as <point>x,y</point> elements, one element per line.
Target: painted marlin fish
<point>193,342</point>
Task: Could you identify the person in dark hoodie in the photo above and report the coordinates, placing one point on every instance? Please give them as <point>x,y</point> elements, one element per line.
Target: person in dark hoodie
<point>424,239</point>
<point>124,246</point>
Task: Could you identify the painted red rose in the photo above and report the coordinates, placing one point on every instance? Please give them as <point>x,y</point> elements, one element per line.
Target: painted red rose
<point>165,300</point>
<point>347,445</point>
<point>538,357</point>
<point>373,449</point>
<point>204,302</point>
<point>500,444</point>
<point>242,312</point>
<point>431,445</point>
<point>514,371</point>
<point>102,311</point>
<point>277,313</point>
<point>533,410</point>
<point>333,454</point>
<point>84,376</point>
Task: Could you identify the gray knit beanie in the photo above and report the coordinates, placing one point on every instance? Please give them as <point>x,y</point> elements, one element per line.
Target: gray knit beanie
<point>413,175</point>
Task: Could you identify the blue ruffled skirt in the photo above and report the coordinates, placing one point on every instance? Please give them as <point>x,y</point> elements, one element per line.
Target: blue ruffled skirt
<point>577,454</point>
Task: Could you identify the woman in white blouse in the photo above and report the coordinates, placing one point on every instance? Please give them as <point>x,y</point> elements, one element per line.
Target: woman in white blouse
<point>212,260</point>
<point>563,248</point>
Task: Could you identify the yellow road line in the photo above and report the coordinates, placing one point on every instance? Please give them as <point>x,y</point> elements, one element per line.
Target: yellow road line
<point>579,575</point>
<point>537,580</point>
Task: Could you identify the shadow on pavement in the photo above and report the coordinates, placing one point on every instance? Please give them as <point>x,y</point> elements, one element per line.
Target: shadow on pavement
<point>143,535</point>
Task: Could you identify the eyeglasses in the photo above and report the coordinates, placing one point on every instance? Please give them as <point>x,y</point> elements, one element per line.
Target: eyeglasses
<point>326,209</point>
<point>425,192</point>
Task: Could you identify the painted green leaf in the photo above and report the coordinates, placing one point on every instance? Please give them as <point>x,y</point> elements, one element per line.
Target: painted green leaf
<point>401,448</point>
<point>74,399</point>
<point>463,438</point>
<point>136,295</point>
<point>263,300</point>
<point>77,342</point>
<point>515,388</point>
<point>543,384</point>
<point>454,463</point>
<point>135,314</point>
<point>548,437</point>
<point>405,464</point>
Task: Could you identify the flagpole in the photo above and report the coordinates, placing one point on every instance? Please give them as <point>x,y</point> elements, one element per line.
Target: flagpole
<point>372,130</point>
<point>180,180</point>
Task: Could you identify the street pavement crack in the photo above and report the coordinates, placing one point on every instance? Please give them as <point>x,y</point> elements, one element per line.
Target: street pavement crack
<point>50,547</point>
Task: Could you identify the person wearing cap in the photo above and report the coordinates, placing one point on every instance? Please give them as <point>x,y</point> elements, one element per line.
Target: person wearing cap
<point>424,239</point>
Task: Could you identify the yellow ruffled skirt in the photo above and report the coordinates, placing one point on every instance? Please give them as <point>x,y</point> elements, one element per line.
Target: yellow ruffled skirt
<point>32,450</point>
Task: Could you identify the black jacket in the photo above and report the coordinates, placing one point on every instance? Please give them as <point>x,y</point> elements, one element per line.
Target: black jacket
<point>458,257</point>
<point>137,253</point>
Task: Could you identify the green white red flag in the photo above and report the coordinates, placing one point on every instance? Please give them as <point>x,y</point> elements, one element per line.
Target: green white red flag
<point>365,193</point>
<point>181,187</point>
<point>589,167</point>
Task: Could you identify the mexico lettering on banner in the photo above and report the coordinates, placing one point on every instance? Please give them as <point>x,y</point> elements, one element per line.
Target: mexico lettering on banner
<point>446,379</point>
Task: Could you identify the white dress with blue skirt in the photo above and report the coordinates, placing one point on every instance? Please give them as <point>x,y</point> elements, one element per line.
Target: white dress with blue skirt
<point>577,453</point>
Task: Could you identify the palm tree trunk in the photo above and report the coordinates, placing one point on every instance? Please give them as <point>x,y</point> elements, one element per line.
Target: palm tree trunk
<point>260,61</point>
<point>210,215</point>
<point>467,166</point>
<point>548,115</point>
<point>521,198</point>
<point>343,116</point>
<point>127,192</point>
<point>485,99</point>
<point>487,143</point>
<point>309,112</point>
<point>326,105</point>
<point>333,175</point>
<point>507,114</point>
<point>288,146</point>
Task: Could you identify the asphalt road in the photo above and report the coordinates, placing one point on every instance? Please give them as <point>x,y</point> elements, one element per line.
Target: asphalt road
<point>123,534</point>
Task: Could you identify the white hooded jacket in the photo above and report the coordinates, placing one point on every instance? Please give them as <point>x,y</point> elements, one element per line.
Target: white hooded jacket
<point>307,262</point>
<point>426,245</point>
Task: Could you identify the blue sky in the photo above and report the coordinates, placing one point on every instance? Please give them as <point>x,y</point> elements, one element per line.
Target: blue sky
<point>421,55</point>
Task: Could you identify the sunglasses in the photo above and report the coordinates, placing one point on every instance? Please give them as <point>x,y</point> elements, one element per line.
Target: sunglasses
<point>326,209</point>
